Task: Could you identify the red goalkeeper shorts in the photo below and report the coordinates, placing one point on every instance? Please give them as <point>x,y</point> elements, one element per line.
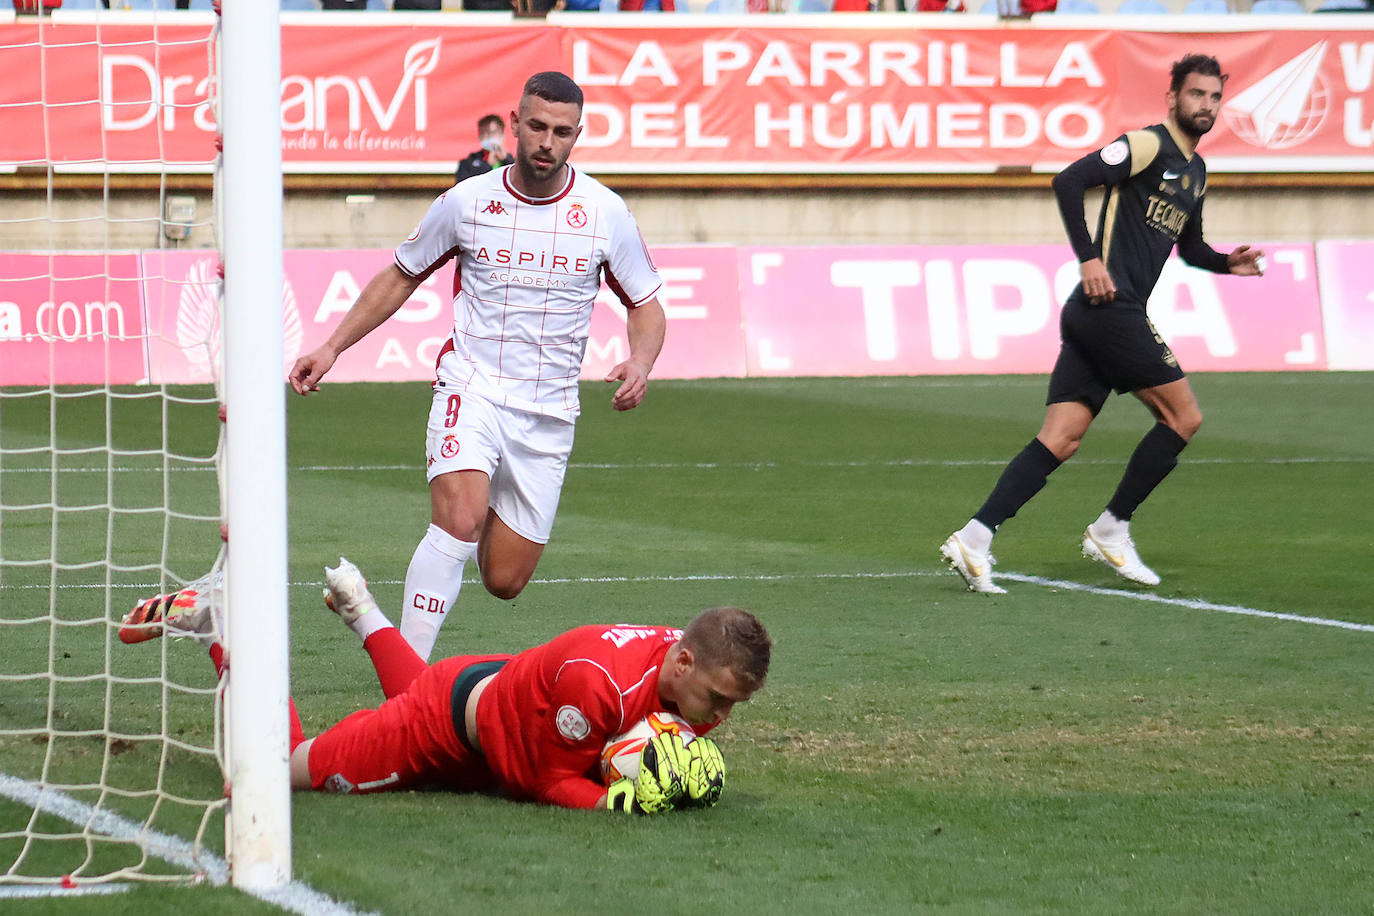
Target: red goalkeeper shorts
<point>406,742</point>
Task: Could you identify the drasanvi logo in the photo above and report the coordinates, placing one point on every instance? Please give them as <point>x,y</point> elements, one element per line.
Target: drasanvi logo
<point>198,330</point>
<point>133,92</point>
<point>1284,107</point>
<point>305,103</point>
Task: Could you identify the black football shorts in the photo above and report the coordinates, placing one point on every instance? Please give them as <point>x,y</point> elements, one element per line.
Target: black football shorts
<point>1104,348</point>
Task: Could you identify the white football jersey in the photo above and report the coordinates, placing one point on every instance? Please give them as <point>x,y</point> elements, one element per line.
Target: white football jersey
<point>528,273</point>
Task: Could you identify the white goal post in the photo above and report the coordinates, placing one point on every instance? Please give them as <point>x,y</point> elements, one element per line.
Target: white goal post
<point>259,820</point>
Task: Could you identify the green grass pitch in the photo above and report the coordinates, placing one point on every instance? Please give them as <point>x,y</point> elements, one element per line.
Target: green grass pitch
<point>1067,747</point>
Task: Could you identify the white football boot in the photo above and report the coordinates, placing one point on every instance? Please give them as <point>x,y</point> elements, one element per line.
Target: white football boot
<point>976,568</point>
<point>1119,556</point>
<point>194,610</point>
<point>346,592</point>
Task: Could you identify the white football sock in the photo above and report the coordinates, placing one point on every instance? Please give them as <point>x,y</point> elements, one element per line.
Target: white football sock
<point>976,536</point>
<point>1110,528</point>
<point>369,622</point>
<point>432,583</point>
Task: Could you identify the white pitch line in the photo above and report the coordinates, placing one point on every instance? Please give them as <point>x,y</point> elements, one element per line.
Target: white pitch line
<point>294,897</point>
<point>719,465</point>
<point>1195,604</point>
<point>12,891</point>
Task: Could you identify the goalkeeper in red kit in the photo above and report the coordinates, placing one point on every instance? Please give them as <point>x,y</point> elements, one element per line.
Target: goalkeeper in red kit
<point>529,726</point>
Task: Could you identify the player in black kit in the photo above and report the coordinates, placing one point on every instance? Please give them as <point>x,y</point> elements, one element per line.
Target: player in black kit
<point>1155,185</point>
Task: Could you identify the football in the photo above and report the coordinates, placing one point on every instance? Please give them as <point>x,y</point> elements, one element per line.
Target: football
<point>620,756</point>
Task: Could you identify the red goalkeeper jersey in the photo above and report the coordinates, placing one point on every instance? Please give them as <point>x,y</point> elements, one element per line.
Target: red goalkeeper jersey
<point>546,715</point>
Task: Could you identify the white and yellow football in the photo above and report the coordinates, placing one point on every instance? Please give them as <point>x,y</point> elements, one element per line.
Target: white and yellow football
<point>620,756</point>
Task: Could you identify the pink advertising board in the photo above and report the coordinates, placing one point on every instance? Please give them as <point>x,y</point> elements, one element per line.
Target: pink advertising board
<point>1347,288</point>
<point>908,310</point>
<point>732,312</point>
<point>68,319</point>
<point>700,296</point>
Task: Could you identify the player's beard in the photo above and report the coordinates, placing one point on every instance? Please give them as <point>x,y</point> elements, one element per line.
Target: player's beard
<point>1194,125</point>
<point>533,173</point>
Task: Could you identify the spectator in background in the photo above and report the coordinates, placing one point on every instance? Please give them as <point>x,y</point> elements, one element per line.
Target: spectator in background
<point>491,135</point>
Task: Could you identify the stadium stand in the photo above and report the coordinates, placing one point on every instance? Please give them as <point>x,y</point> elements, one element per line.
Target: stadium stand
<point>1207,7</point>
<point>1277,7</point>
<point>1142,8</point>
<point>1078,7</point>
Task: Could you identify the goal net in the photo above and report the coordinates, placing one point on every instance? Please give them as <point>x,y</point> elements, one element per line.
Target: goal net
<point>116,473</point>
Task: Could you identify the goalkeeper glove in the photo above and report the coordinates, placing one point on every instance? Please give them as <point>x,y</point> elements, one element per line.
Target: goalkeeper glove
<point>705,773</point>
<point>620,796</point>
<point>661,782</point>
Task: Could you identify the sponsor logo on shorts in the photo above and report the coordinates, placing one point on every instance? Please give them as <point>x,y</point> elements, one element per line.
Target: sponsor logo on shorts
<point>577,217</point>
<point>450,447</point>
<point>571,723</point>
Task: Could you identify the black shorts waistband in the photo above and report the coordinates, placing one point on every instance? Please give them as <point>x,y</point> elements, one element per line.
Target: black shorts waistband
<point>463,686</point>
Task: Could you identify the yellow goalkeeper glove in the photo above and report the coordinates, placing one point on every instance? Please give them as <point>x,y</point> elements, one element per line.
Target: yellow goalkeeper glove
<point>620,796</point>
<point>705,773</point>
<point>661,782</point>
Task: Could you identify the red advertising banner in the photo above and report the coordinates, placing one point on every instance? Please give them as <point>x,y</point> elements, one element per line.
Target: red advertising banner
<point>1346,270</point>
<point>991,309</point>
<point>699,99</point>
<point>896,95</point>
<point>1295,98</point>
<point>70,319</point>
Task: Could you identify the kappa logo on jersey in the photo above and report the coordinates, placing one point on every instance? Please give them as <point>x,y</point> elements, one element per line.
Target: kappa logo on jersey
<point>571,723</point>
<point>577,217</point>
<point>495,207</point>
<point>450,447</point>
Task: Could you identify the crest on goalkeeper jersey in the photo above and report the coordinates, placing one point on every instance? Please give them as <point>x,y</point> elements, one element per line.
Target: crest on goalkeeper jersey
<point>572,724</point>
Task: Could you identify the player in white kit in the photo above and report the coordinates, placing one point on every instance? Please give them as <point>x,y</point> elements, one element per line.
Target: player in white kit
<point>534,241</point>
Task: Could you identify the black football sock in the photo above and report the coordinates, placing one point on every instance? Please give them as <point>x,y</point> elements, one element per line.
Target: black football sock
<point>1153,459</point>
<point>1024,476</point>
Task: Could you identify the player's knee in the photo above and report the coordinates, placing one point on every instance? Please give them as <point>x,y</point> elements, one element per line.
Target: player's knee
<point>1187,424</point>
<point>504,585</point>
<point>465,526</point>
<point>1063,446</point>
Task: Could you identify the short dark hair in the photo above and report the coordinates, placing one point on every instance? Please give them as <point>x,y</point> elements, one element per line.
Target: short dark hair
<point>730,637</point>
<point>490,120</point>
<point>1202,64</point>
<point>552,86</point>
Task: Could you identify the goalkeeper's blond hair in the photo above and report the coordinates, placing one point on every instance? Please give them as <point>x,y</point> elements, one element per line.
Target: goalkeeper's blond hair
<point>730,637</point>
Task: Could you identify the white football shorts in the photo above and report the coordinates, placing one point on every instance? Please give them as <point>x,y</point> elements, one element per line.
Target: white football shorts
<point>524,454</point>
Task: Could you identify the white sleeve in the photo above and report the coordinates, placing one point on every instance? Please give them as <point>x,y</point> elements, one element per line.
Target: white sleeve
<point>435,240</point>
<point>630,272</point>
